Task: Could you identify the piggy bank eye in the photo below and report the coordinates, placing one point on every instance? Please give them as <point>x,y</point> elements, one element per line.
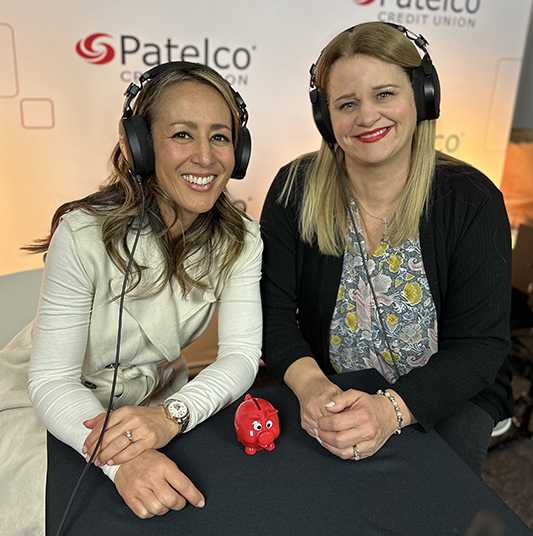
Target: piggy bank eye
<point>269,424</point>
<point>257,425</point>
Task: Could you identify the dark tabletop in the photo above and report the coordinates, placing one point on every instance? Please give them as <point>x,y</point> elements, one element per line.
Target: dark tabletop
<point>415,485</point>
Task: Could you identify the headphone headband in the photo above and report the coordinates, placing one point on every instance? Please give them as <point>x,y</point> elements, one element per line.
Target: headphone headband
<point>134,135</point>
<point>424,81</point>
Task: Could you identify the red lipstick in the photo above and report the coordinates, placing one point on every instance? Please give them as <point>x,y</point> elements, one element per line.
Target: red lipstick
<point>373,135</point>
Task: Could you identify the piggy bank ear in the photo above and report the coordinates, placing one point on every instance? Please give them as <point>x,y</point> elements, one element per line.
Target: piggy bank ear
<point>272,412</point>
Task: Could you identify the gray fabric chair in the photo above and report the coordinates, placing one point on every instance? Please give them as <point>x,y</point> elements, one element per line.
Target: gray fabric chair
<point>19,296</point>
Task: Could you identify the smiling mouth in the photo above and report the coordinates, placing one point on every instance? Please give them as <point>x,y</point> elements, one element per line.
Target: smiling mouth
<point>374,135</point>
<point>201,181</point>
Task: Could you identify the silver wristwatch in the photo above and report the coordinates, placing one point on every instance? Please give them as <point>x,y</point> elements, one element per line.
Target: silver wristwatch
<point>178,412</point>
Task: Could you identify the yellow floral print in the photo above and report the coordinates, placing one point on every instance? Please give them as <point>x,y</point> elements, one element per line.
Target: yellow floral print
<point>407,307</point>
<point>402,278</point>
<point>394,263</point>
<point>380,250</point>
<point>388,359</point>
<point>351,321</point>
<point>413,293</point>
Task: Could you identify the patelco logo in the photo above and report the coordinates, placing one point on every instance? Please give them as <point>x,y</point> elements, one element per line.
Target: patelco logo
<point>132,53</point>
<point>449,13</point>
<point>95,51</point>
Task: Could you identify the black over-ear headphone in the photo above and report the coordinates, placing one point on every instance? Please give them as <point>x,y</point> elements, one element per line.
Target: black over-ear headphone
<point>136,141</point>
<point>424,80</point>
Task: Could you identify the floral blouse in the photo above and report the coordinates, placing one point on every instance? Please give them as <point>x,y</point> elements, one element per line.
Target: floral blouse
<point>359,338</point>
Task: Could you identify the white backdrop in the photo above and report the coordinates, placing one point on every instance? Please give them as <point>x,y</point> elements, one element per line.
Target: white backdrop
<point>59,112</point>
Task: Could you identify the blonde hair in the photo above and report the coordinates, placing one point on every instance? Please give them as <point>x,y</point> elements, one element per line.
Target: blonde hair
<point>323,212</point>
<point>118,202</point>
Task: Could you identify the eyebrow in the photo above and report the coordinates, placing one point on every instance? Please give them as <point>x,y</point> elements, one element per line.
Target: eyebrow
<point>375,88</point>
<point>192,124</point>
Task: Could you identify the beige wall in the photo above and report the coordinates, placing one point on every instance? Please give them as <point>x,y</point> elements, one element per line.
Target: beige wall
<point>59,113</point>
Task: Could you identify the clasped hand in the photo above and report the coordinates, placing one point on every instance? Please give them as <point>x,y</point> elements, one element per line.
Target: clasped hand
<point>349,418</point>
<point>148,426</point>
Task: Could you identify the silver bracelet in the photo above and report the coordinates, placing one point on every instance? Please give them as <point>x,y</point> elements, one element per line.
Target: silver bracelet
<point>396,409</point>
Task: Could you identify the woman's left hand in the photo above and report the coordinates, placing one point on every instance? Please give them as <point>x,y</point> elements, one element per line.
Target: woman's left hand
<point>149,428</point>
<point>357,420</point>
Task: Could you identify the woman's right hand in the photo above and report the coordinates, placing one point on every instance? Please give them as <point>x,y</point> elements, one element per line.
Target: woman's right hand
<point>313,390</point>
<point>151,484</point>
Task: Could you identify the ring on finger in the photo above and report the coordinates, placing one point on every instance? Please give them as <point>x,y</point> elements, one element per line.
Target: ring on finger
<point>127,433</point>
<point>356,453</point>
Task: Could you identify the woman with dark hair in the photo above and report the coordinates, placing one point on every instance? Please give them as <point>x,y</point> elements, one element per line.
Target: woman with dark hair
<point>382,253</point>
<point>196,251</point>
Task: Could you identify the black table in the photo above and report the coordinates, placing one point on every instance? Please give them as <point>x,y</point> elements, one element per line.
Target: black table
<point>415,485</point>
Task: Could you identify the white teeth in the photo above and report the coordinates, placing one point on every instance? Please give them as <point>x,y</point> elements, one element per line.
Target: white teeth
<point>378,133</point>
<point>201,181</point>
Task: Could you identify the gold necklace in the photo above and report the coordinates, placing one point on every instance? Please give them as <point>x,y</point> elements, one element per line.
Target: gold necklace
<point>384,220</point>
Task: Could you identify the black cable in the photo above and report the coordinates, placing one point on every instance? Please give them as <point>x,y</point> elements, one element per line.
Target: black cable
<point>138,178</point>
<point>363,257</point>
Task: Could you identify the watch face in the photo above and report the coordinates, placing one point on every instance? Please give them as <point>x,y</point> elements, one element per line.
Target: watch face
<point>178,409</point>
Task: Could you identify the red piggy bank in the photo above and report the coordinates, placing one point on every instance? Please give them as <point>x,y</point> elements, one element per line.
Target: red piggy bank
<point>256,424</point>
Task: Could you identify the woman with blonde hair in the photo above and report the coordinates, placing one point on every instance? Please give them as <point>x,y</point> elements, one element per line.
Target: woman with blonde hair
<point>381,253</point>
<point>180,142</point>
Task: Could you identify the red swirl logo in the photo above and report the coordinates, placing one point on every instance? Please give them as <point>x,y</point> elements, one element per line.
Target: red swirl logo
<point>94,51</point>
<point>363,2</point>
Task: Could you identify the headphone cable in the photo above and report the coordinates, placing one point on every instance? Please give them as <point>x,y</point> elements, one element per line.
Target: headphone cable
<point>138,178</point>
<point>363,257</point>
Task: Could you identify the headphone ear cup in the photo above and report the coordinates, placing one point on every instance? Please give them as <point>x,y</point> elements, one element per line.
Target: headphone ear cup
<point>432,93</point>
<point>242,153</point>
<point>321,115</point>
<point>426,88</point>
<point>136,145</point>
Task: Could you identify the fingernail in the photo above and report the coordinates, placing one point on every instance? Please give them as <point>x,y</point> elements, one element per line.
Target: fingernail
<point>97,462</point>
<point>87,458</point>
<point>84,449</point>
<point>110,462</point>
<point>317,437</point>
<point>330,404</point>
<point>201,504</point>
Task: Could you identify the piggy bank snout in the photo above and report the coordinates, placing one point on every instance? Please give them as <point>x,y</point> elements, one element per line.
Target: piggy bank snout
<point>265,438</point>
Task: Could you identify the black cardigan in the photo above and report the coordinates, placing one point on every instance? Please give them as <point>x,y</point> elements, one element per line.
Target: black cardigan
<point>466,248</point>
